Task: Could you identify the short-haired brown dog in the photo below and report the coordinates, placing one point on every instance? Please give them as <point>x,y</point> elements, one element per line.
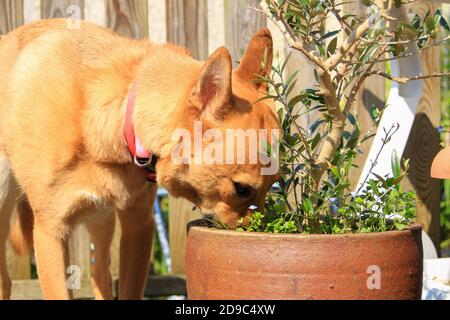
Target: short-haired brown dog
<point>64,94</point>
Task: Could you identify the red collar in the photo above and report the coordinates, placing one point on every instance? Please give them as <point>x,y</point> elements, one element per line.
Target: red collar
<point>141,157</point>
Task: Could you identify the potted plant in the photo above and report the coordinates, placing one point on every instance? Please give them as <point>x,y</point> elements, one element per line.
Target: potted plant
<point>317,238</point>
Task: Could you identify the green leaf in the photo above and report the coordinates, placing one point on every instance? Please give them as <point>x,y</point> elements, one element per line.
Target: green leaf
<point>329,34</point>
<point>398,179</point>
<point>331,49</point>
<point>321,49</point>
<point>285,62</point>
<point>395,164</point>
<point>346,135</point>
<point>313,3</point>
<point>374,186</point>
<point>399,226</point>
<point>293,102</point>
<point>415,22</point>
<point>374,113</point>
<point>307,206</point>
<point>429,24</point>
<point>316,75</point>
<point>367,137</point>
<point>335,172</point>
<point>352,119</point>
<point>380,178</point>
<point>264,98</point>
<point>291,78</point>
<point>315,141</point>
<point>315,125</point>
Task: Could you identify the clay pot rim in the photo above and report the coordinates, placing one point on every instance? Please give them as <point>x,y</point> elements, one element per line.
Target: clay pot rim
<point>374,235</point>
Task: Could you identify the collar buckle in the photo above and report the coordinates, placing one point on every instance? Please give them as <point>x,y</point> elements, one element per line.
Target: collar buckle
<point>142,162</point>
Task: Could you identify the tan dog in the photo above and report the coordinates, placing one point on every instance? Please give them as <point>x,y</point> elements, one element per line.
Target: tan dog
<point>63,99</point>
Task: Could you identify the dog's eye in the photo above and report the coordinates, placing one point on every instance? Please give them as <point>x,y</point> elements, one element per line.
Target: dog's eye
<point>242,190</point>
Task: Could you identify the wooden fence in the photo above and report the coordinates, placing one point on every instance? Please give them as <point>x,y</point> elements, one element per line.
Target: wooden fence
<point>202,26</point>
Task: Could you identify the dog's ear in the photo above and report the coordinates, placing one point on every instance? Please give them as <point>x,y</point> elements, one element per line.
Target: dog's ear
<point>212,94</point>
<point>251,63</point>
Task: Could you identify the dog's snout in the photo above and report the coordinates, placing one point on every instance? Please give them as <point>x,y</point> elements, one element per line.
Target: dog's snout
<point>209,216</point>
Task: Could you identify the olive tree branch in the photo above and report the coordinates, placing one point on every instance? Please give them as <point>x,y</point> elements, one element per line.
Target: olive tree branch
<point>359,82</point>
<point>347,45</point>
<point>289,35</point>
<point>409,54</point>
<point>333,139</point>
<point>407,79</point>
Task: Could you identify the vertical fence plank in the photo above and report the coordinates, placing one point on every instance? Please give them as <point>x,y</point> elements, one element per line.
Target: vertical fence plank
<point>11,15</point>
<point>216,24</point>
<point>128,18</point>
<point>80,255</point>
<point>157,21</point>
<point>187,25</point>
<point>59,8</point>
<point>423,144</point>
<point>241,23</point>
<point>180,213</point>
<point>32,10</point>
<point>19,267</point>
<point>115,251</point>
<point>95,12</point>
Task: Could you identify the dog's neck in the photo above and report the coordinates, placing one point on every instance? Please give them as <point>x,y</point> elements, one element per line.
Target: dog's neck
<point>164,83</point>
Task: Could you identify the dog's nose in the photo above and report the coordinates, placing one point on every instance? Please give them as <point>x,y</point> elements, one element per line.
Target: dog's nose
<point>197,223</point>
<point>209,216</point>
<point>209,220</point>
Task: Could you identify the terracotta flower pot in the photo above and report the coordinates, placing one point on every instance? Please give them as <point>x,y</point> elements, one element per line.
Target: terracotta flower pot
<point>440,168</point>
<point>236,265</point>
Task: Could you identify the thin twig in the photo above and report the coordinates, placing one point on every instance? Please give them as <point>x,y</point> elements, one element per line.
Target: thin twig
<point>414,41</point>
<point>407,79</point>
<point>406,55</point>
<point>393,130</point>
<point>331,8</point>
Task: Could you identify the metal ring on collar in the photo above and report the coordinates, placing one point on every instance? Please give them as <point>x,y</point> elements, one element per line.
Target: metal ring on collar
<point>139,162</point>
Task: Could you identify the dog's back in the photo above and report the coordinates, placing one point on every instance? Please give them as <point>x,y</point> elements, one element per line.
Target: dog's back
<point>46,69</point>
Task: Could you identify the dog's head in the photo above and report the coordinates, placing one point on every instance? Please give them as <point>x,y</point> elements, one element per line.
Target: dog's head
<point>218,162</point>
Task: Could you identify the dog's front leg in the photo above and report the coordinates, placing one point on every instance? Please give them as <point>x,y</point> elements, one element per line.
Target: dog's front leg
<point>52,258</point>
<point>101,232</point>
<point>135,246</point>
